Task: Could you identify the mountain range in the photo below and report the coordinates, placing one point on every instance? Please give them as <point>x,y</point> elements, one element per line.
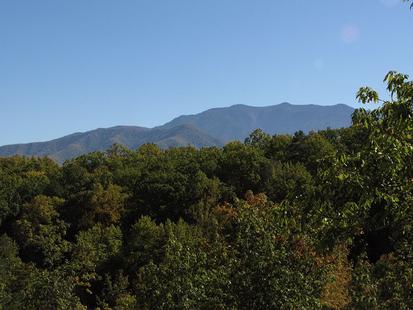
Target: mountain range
<point>213,127</point>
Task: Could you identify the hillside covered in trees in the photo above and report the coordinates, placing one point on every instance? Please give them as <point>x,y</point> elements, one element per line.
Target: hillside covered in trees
<point>305,221</point>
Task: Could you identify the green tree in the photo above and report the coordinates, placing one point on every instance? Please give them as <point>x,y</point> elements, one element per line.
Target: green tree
<point>190,276</point>
<point>278,146</point>
<point>41,233</point>
<point>145,243</point>
<point>106,206</point>
<point>244,167</point>
<point>96,251</point>
<point>25,287</point>
<point>258,138</point>
<point>9,196</point>
<point>272,270</point>
<point>313,151</point>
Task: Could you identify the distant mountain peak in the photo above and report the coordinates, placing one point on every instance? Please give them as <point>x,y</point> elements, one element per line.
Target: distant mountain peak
<point>237,121</point>
<point>212,127</point>
<point>238,106</point>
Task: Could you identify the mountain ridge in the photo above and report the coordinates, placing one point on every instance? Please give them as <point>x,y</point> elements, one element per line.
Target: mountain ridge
<point>212,127</point>
<point>237,121</point>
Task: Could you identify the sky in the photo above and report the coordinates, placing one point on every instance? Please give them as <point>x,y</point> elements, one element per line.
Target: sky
<point>70,66</point>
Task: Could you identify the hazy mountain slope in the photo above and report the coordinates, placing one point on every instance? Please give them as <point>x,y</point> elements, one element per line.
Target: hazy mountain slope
<point>181,135</point>
<point>237,122</point>
<point>102,139</point>
<point>210,128</point>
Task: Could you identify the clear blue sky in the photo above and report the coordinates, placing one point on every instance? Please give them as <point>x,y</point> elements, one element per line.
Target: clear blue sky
<point>75,65</point>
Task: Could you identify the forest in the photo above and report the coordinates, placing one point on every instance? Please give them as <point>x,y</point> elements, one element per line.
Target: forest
<point>319,220</point>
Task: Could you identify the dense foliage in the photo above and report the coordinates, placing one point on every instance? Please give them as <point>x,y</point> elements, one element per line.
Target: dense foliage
<point>310,221</point>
